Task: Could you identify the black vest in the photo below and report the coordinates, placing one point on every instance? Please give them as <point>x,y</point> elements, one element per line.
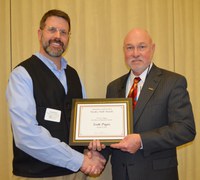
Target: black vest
<point>48,93</point>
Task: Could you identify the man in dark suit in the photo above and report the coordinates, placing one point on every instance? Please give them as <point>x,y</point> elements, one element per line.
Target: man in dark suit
<point>163,117</point>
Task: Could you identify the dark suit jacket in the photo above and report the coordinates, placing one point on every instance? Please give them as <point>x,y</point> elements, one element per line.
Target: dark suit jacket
<point>163,116</point>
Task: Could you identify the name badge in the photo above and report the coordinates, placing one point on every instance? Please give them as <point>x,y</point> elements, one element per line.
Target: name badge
<point>52,115</point>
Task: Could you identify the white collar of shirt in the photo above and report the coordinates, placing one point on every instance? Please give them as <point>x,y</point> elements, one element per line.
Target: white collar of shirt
<point>141,83</point>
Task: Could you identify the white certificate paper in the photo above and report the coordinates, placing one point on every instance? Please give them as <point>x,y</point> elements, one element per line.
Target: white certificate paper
<point>108,120</point>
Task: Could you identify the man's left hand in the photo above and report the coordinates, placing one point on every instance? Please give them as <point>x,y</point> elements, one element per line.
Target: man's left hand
<point>131,143</point>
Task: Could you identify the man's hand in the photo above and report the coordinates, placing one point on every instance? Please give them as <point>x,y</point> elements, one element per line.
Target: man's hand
<point>96,145</point>
<point>93,163</point>
<point>131,143</point>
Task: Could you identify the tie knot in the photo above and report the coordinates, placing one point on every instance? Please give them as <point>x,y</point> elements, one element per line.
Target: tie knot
<point>136,80</point>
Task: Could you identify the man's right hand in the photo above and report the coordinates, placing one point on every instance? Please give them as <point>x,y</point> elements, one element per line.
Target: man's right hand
<point>93,163</point>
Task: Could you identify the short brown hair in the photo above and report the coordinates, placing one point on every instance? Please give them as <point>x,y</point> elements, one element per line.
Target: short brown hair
<point>54,12</point>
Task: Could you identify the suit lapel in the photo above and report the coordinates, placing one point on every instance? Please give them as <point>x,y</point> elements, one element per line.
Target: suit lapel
<point>122,89</point>
<point>148,90</point>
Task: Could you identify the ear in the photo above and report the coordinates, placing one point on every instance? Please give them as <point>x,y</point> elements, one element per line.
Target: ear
<point>39,34</point>
<point>153,47</point>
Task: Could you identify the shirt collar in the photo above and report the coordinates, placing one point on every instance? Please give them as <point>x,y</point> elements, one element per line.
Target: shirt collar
<point>142,76</point>
<point>50,64</point>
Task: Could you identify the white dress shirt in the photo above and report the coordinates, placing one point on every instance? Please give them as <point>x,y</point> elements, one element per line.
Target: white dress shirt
<point>140,83</point>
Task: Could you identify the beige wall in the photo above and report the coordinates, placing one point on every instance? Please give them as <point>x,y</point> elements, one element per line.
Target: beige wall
<point>5,66</point>
<point>98,29</point>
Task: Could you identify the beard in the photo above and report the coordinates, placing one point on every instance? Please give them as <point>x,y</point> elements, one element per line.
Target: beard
<point>53,51</point>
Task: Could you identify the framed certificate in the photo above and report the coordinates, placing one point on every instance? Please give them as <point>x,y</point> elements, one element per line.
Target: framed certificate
<point>107,120</point>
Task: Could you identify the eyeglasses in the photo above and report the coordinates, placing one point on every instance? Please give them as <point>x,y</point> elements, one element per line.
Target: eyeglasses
<point>53,30</point>
<point>140,48</point>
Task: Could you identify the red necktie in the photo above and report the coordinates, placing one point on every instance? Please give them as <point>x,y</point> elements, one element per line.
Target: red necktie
<point>133,92</point>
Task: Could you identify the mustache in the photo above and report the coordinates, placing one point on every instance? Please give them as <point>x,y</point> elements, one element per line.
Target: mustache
<point>135,59</point>
<point>56,41</point>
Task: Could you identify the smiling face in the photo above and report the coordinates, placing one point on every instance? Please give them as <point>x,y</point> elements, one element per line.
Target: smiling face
<point>138,50</point>
<point>54,37</point>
